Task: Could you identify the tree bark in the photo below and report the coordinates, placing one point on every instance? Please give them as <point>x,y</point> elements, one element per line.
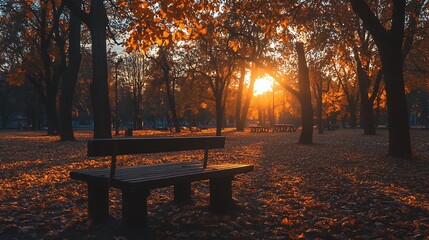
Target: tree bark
<point>49,93</point>
<point>99,86</point>
<point>172,102</point>
<point>238,124</point>
<point>219,114</point>
<point>390,47</point>
<point>247,101</point>
<point>169,86</point>
<point>367,112</point>
<point>51,110</point>
<point>306,136</point>
<point>70,79</point>
<point>399,130</point>
<point>318,93</point>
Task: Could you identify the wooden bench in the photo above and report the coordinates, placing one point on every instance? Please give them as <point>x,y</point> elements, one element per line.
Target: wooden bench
<point>137,181</point>
<point>259,129</point>
<point>284,128</point>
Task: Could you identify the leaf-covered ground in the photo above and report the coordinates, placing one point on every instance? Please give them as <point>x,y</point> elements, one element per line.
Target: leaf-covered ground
<point>343,186</point>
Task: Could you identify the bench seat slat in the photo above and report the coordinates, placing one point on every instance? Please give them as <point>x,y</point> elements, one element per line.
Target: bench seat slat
<point>144,184</point>
<point>104,172</point>
<point>143,177</point>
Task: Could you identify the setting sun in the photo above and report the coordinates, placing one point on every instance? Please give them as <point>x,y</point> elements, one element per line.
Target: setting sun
<point>263,85</point>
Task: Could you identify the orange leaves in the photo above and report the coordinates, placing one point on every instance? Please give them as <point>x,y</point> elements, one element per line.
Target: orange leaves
<point>234,45</point>
<point>286,222</point>
<point>144,5</point>
<point>165,22</point>
<point>165,34</point>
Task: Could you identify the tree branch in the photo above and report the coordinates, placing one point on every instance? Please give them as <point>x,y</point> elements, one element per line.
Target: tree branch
<point>370,21</point>
<point>77,10</point>
<point>376,85</point>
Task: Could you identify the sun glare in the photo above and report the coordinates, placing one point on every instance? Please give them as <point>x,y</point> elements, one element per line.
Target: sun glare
<point>263,85</point>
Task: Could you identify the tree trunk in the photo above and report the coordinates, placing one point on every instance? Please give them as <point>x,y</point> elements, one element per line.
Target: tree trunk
<point>247,101</point>
<point>51,110</point>
<point>353,115</point>
<point>425,109</point>
<point>389,44</point>
<point>70,79</point>
<point>367,112</point>
<point>318,92</point>
<point>399,129</point>
<point>305,97</point>
<point>219,114</point>
<point>99,86</point>
<point>238,124</point>
<point>319,116</point>
<point>171,103</point>
<point>367,115</point>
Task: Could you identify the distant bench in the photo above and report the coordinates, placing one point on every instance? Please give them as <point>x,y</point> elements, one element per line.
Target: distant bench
<point>258,129</point>
<point>284,128</point>
<point>136,182</point>
<point>276,128</point>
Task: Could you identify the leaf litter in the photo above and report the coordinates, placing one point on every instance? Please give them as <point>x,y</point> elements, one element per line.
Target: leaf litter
<point>342,186</point>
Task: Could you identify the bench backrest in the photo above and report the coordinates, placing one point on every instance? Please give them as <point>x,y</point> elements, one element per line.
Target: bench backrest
<point>129,146</point>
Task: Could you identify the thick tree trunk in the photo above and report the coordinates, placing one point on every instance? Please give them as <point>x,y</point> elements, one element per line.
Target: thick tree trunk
<point>399,130</point>
<point>305,97</point>
<point>99,86</point>
<point>70,79</point>
<point>389,43</point>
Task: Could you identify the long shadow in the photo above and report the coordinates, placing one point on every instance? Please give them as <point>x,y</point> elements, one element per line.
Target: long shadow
<point>339,196</point>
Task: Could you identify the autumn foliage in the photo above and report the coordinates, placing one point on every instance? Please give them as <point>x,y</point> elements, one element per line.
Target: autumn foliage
<point>340,188</point>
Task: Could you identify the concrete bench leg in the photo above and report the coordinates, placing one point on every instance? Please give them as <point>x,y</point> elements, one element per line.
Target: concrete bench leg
<point>134,208</point>
<point>98,202</point>
<point>182,193</point>
<point>221,194</point>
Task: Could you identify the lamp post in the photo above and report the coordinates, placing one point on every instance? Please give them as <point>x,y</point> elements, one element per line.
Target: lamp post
<point>116,97</point>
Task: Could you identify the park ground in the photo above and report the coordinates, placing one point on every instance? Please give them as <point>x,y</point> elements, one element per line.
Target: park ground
<point>342,186</point>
